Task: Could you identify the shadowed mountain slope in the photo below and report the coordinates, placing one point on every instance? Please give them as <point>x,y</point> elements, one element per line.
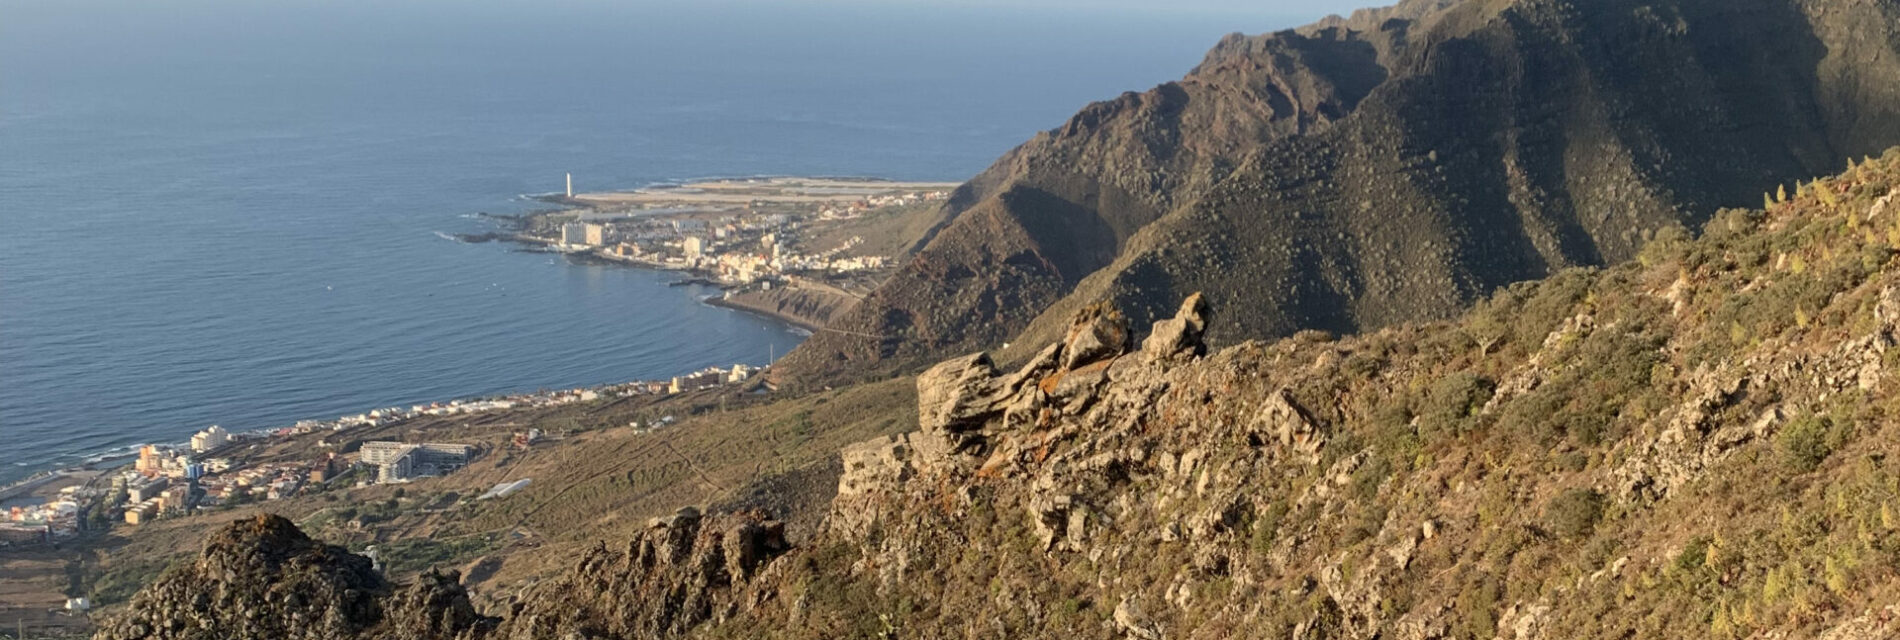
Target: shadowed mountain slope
<point>1391,166</point>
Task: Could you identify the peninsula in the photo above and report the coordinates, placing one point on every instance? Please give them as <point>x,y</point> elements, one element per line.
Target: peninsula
<point>799,249</point>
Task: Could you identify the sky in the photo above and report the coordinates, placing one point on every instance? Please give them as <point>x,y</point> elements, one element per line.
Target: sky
<point>1307,9</point>
<point>1243,11</point>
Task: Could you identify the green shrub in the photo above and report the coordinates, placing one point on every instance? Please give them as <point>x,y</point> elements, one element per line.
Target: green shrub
<point>1694,555</point>
<point>1266,527</point>
<point>1477,608</point>
<point>1574,513</point>
<point>1573,461</point>
<point>1804,443</point>
<point>1452,400</point>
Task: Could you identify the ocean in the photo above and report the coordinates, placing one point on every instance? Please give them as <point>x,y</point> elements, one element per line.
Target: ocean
<point>236,213</point>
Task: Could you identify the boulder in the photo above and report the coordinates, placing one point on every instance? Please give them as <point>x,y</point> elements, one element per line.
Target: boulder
<point>957,396</point>
<point>1096,335</point>
<point>1180,336</point>
<point>1282,421</point>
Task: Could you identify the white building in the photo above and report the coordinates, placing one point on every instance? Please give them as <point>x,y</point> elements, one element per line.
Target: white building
<point>574,233</point>
<point>594,235</point>
<point>209,439</point>
<point>693,246</point>
<point>397,461</point>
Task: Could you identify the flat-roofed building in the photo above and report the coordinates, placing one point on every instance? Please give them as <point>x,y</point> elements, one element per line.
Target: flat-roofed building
<point>209,439</point>
<point>142,491</point>
<point>574,233</point>
<point>399,461</point>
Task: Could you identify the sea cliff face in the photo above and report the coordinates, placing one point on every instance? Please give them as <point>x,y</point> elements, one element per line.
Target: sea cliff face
<point>1693,443</point>
<point>1389,167</point>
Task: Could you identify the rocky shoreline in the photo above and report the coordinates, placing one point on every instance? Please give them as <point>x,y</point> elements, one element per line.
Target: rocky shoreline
<point>810,309</point>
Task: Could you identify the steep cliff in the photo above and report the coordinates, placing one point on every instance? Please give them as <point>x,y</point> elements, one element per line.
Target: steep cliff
<point>1392,166</point>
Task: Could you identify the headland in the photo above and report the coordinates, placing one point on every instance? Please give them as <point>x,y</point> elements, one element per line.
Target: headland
<point>796,249</point>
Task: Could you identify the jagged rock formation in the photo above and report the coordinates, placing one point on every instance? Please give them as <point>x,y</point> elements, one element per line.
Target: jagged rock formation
<point>434,606</point>
<point>683,570</point>
<point>262,578</point>
<point>1390,167</point>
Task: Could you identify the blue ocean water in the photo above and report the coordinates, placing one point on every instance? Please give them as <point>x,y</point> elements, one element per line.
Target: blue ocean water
<point>228,212</point>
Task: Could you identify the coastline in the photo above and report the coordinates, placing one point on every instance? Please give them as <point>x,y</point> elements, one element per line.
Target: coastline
<point>514,228</point>
<point>795,301</point>
<point>802,323</point>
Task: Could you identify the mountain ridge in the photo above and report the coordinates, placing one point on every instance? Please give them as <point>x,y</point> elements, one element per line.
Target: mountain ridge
<point>1391,166</point>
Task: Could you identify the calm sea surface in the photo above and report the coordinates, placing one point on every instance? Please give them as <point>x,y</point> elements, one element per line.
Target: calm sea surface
<point>228,212</point>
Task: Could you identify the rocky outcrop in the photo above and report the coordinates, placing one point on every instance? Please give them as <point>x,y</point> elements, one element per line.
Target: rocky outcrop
<point>1871,625</point>
<point>262,578</point>
<point>681,571</point>
<point>967,410</point>
<point>434,606</point>
<point>1180,335</point>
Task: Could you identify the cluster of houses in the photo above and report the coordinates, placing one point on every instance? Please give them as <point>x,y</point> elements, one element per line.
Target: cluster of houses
<point>165,481</point>
<point>857,208</point>
<point>168,480</point>
<point>49,520</point>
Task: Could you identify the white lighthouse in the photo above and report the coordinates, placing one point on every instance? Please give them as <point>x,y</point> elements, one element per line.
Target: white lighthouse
<point>570,185</point>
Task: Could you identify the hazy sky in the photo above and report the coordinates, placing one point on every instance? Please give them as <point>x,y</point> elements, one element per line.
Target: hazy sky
<point>1248,16</point>
<point>1290,8</point>
<point>1290,12</point>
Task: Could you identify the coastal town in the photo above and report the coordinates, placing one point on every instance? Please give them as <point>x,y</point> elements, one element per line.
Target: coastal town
<point>217,468</point>
<point>738,232</point>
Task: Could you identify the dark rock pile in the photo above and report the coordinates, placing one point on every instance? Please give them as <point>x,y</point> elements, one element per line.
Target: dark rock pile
<point>682,570</point>
<point>262,578</point>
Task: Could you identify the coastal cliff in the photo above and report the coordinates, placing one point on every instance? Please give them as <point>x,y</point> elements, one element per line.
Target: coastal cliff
<point>807,307</point>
